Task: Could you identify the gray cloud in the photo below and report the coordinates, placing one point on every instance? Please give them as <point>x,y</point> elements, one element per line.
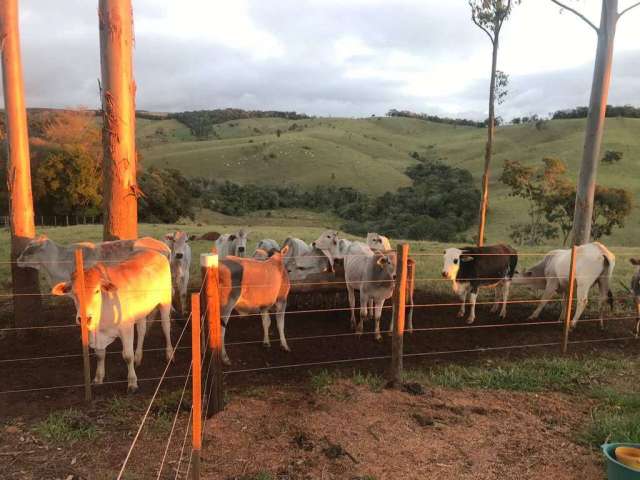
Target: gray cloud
<point>174,72</point>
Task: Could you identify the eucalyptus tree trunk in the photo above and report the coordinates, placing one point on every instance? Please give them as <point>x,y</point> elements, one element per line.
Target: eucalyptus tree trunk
<point>585,193</point>
<point>484,200</point>
<point>120,203</point>
<point>26,300</point>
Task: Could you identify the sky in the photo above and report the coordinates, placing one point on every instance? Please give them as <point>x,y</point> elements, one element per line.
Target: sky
<point>328,57</point>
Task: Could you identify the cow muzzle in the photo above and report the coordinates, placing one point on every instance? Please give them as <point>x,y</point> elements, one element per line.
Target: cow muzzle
<point>179,256</point>
<point>445,274</point>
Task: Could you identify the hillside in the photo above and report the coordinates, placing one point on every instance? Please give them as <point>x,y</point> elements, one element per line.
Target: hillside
<point>371,154</point>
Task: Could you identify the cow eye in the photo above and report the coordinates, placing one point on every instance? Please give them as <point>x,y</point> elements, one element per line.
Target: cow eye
<point>455,261</point>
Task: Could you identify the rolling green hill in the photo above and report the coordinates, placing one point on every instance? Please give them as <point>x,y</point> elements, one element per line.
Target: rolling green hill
<point>371,154</point>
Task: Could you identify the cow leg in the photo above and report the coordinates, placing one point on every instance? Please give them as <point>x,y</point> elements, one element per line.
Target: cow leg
<point>563,310</point>
<point>378,314</point>
<point>472,309</point>
<point>364,303</point>
<point>101,353</point>
<point>637,300</point>
<point>496,303</point>
<point>128,356</point>
<point>370,309</point>
<point>225,320</point>
<point>463,296</point>
<point>352,305</point>
<point>505,297</point>
<point>281,306</point>
<point>551,287</point>
<point>603,286</point>
<point>266,323</point>
<point>141,327</point>
<point>165,319</point>
<point>582,296</point>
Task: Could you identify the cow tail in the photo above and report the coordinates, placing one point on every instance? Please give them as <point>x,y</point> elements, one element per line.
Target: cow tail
<point>610,298</point>
<point>609,261</point>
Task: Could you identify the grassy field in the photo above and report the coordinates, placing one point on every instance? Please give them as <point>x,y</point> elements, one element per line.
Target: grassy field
<point>371,155</point>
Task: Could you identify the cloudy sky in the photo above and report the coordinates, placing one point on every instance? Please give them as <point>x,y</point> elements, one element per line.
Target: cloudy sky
<point>327,57</point>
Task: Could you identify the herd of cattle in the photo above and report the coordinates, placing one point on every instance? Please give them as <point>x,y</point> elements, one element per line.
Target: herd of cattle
<point>125,281</point>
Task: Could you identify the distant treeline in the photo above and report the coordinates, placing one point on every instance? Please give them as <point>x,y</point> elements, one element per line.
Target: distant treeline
<point>201,122</point>
<point>434,118</point>
<point>627,111</point>
<point>441,203</point>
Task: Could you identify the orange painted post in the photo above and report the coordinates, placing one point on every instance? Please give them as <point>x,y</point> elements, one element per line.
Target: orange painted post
<point>216,401</point>
<point>572,281</point>
<point>399,303</point>
<point>84,328</point>
<point>196,385</point>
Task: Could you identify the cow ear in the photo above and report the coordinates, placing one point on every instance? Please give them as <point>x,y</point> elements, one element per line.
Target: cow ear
<point>62,288</point>
<point>284,250</point>
<point>466,258</point>
<point>382,260</point>
<point>168,236</point>
<point>634,261</point>
<point>232,237</point>
<point>192,238</point>
<point>107,286</point>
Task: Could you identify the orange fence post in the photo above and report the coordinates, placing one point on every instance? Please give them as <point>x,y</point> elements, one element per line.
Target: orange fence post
<point>216,401</point>
<point>399,303</point>
<point>84,328</point>
<point>196,389</point>
<point>569,305</point>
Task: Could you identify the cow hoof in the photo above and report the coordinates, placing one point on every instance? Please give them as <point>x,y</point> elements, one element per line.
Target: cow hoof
<point>460,315</point>
<point>532,317</point>
<point>493,309</point>
<point>132,388</point>
<point>503,315</point>
<point>226,361</point>
<point>286,348</point>
<point>469,321</point>
<point>378,338</point>
<point>266,345</point>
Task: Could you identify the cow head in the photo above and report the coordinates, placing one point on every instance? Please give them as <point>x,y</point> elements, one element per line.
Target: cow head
<point>302,266</point>
<point>177,242</point>
<point>635,261</point>
<point>96,284</point>
<point>533,277</point>
<point>385,266</point>
<point>38,250</point>
<point>378,242</point>
<point>329,244</point>
<point>452,259</point>
<point>238,243</point>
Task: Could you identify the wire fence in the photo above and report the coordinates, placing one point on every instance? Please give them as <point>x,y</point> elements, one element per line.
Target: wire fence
<point>176,444</point>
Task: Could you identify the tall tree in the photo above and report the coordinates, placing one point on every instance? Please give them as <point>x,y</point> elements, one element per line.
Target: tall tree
<point>119,120</point>
<point>489,16</point>
<point>583,213</point>
<point>26,300</point>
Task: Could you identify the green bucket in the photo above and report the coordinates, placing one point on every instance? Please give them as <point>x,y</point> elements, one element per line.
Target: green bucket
<point>615,469</point>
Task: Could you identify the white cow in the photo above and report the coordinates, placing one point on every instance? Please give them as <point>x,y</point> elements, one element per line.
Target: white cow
<point>58,261</point>
<point>264,248</point>
<point>232,244</point>
<point>180,263</point>
<point>378,242</point>
<point>594,263</point>
<point>119,296</point>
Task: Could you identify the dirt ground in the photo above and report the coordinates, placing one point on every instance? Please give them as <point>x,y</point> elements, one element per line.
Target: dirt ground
<point>350,432</point>
<point>474,434</point>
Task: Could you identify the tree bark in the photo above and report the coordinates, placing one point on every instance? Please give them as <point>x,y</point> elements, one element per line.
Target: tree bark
<point>484,200</point>
<point>26,290</point>
<point>118,107</point>
<point>585,193</point>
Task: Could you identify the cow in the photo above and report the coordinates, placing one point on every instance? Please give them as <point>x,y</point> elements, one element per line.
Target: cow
<point>378,242</point>
<point>470,268</point>
<point>594,264</point>
<point>339,248</point>
<point>265,248</point>
<point>635,289</point>
<point>119,296</point>
<point>180,262</point>
<point>295,248</point>
<point>251,286</point>
<point>58,261</point>
<point>232,244</point>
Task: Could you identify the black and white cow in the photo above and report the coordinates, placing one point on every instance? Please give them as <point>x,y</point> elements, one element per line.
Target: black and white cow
<point>470,268</point>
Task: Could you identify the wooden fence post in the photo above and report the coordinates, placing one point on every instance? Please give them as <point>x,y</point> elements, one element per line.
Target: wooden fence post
<point>399,302</point>
<point>84,328</point>
<point>569,299</point>
<point>196,388</point>
<point>67,218</point>
<point>216,401</point>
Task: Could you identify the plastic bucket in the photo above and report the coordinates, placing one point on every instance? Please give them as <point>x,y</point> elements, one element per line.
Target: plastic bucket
<point>615,469</point>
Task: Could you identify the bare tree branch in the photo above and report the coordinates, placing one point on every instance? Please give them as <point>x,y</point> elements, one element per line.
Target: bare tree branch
<point>561,5</point>
<point>483,29</point>
<point>628,8</point>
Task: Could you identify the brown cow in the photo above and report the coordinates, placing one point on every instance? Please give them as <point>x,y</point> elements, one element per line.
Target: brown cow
<point>251,286</point>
